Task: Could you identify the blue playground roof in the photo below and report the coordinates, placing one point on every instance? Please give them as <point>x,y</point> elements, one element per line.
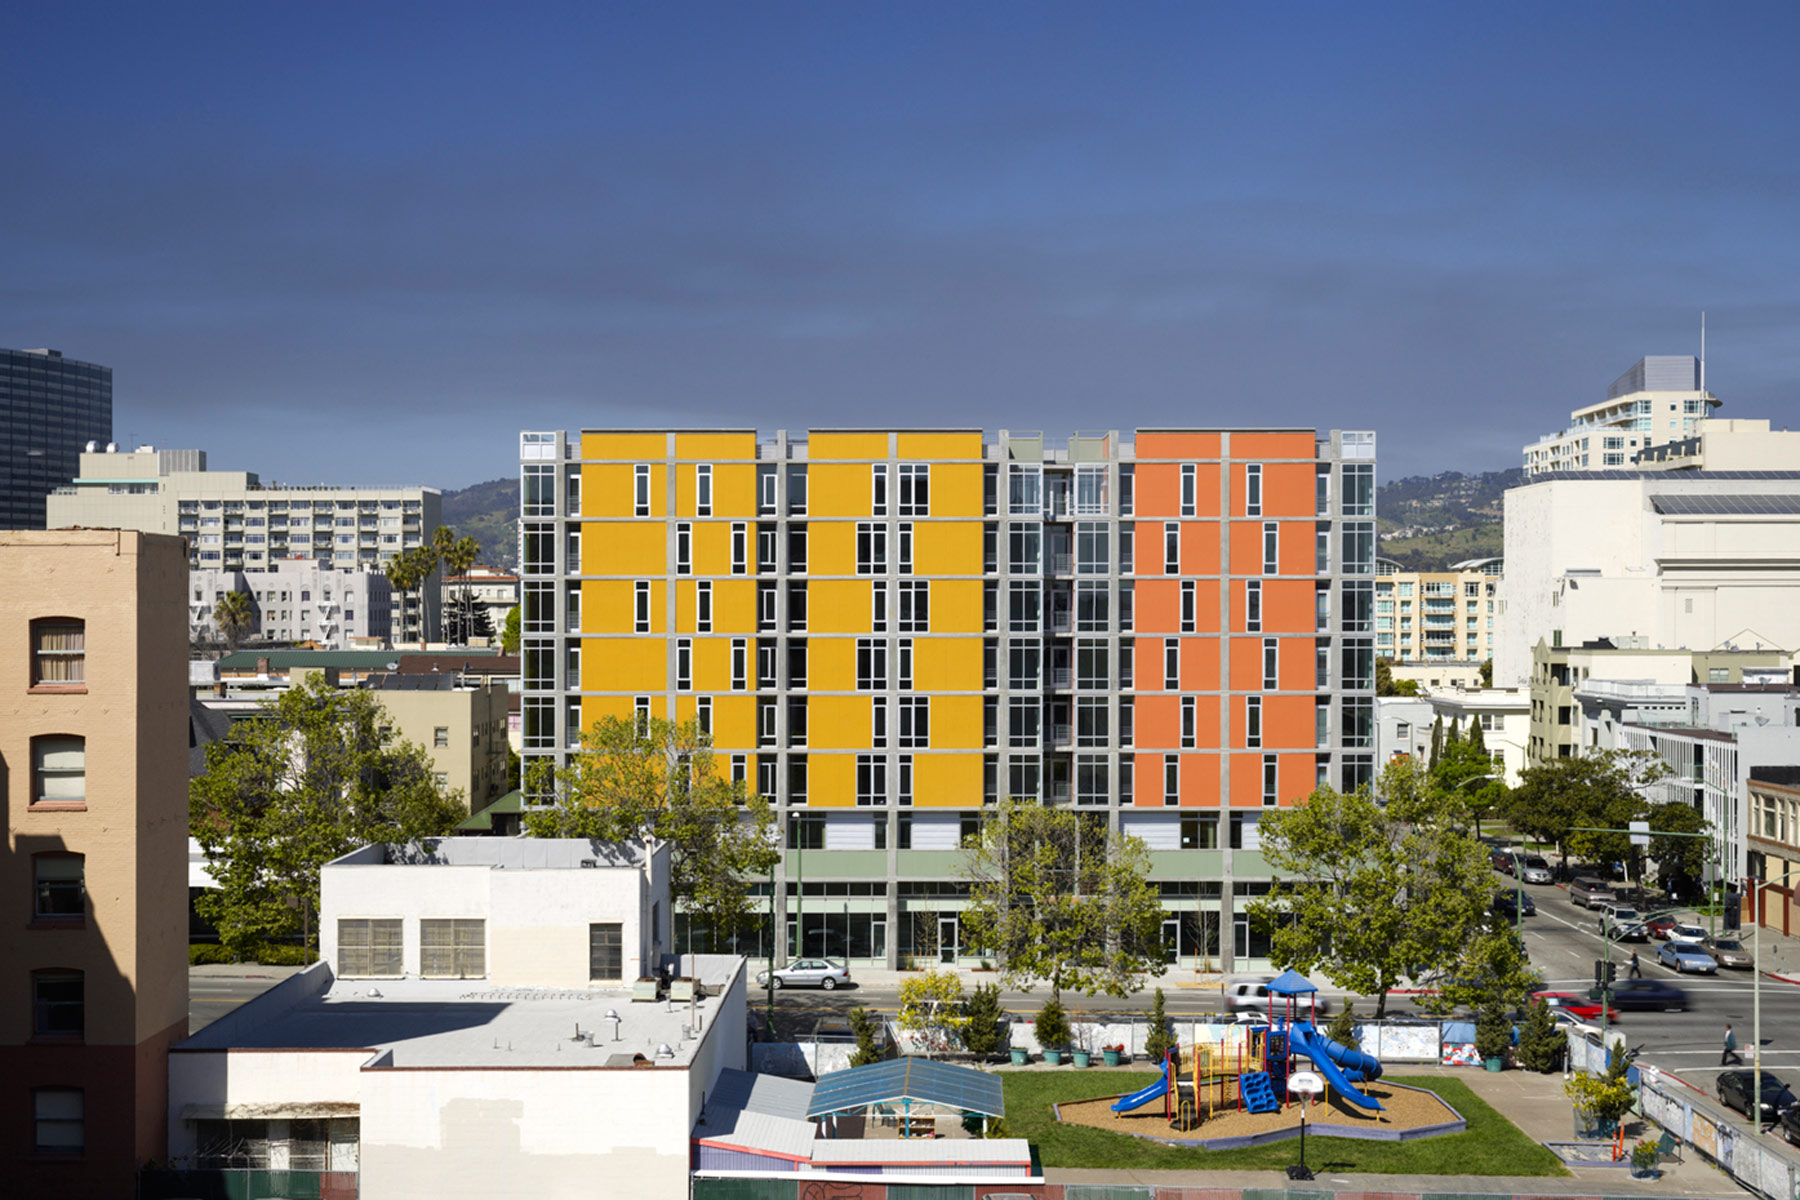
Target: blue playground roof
<point>1292,983</point>
<point>920,1080</point>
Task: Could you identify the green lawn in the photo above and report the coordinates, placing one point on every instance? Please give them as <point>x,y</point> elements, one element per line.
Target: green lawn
<point>1491,1146</point>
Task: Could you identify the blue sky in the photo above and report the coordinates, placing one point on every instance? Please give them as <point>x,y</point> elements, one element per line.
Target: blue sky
<point>369,243</point>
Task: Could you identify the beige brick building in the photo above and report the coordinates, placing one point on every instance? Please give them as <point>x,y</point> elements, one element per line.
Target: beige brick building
<point>93,947</point>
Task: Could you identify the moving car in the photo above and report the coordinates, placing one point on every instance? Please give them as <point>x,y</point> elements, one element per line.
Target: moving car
<point>1622,923</point>
<point>1589,891</point>
<point>1535,869</point>
<point>1507,904</point>
<point>1252,996</point>
<point>1659,927</point>
<point>1686,957</point>
<point>1729,952</point>
<point>1577,1005</point>
<point>1790,1124</point>
<point>808,972</point>
<point>1648,995</point>
<point>1734,1092</point>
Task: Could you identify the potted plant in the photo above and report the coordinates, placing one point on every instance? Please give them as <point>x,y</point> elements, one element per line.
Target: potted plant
<point>1643,1160</point>
<point>1493,1036</point>
<point>1599,1101</point>
<point>1114,1055</point>
<point>1052,1031</point>
<point>984,1022</point>
<point>1083,1053</point>
<point>1020,1056</point>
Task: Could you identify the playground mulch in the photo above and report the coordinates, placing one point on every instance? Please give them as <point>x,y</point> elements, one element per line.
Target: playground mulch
<point>1403,1109</point>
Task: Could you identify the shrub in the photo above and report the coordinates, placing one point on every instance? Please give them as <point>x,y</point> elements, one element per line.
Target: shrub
<point>984,1029</point>
<point>1342,1029</point>
<point>274,955</point>
<point>1541,1042</point>
<point>1493,1032</point>
<point>208,952</point>
<point>1053,1026</point>
<point>1644,1155</point>
<point>1599,1097</point>
<point>1157,1041</point>
<point>865,1027</point>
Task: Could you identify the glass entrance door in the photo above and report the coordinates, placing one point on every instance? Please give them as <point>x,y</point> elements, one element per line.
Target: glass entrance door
<point>947,939</point>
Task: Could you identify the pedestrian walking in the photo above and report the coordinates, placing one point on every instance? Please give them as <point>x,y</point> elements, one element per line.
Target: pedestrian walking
<point>1636,972</point>
<point>1731,1049</point>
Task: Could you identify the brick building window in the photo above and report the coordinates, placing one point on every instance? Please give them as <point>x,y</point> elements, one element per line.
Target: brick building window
<point>58,771</point>
<point>58,653</point>
<point>59,1120</point>
<point>58,1003</point>
<point>57,887</point>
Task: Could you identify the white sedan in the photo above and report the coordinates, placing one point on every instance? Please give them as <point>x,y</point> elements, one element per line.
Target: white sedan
<point>813,972</point>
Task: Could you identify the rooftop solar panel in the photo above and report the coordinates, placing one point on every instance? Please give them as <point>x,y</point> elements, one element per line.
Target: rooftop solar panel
<point>1734,504</point>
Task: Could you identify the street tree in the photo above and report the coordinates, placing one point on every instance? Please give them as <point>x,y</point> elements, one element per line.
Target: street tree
<point>1491,972</point>
<point>310,777</point>
<point>1062,900</point>
<point>1678,856</point>
<point>1600,789</point>
<point>659,782</point>
<point>509,631</point>
<point>235,615</point>
<point>1373,893</point>
<point>931,1009</point>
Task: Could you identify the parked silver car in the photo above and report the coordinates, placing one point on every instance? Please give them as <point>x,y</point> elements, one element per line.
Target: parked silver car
<point>1729,952</point>
<point>808,972</point>
<point>1533,869</point>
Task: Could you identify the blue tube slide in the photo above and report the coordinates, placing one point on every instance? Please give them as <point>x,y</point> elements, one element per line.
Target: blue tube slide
<point>1140,1098</point>
<point>1307,1043</point>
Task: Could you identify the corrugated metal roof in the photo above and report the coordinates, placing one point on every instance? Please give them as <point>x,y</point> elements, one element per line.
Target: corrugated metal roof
<point>756,1092</point>
<point>938,1152</point>
<point>920,1080</point>
<point>740,1129</point>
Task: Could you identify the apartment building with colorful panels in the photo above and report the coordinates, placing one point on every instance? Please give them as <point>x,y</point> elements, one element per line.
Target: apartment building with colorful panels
<point>887,631</point>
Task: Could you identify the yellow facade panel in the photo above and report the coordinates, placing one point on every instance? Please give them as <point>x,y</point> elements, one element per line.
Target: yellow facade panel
<point>831,664</point>
<point>624,664</point>
<point>956,722</point>
<point>595,709</point>
<point>837,722</point>
<point>941,445</point>
<point>734,606</point>
<point>831,547</point>
<point>734,490</point>
<point>734,724</point>
<point>712,547</point>
<point>945,664</point>
<point>608,606</point>
<point>839,489</point>
<point>956,606</point>
<point>712,664</point>
<point>713,447</point>
<point>607,490</point>
<point>633,548</point>
<point>838,605</point>
<point>956,490</point>
<point>831,781</point>
<point>630,447</point>
<point>847,445</point>
<point>946,781</point>
<point>947,548</point>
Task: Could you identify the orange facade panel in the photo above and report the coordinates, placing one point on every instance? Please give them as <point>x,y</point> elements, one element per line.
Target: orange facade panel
<point>1200,548</point>
<point>1199,664</point>
<point>1301,443</point>
<point>1289,606</point>
<point>1289,722</point>
<point>1174,443</point>
<point>1247,780</point>
<point>1289,490</point>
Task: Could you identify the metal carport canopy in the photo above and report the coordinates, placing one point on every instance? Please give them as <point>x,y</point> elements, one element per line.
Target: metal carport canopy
<point>899,1080</point>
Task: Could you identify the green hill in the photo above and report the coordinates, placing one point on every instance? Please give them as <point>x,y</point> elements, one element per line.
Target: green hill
<point>488,512</point>
<point>1427,522</point>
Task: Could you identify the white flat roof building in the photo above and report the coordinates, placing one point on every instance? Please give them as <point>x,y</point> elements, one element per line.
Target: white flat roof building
<point>1660,399</point>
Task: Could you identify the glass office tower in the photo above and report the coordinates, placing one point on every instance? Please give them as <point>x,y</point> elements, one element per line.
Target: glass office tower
<point>50,408</point>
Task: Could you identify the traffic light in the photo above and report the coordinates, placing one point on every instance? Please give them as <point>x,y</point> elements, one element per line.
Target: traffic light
<point>1734,904</point>
<point>1612,971</point>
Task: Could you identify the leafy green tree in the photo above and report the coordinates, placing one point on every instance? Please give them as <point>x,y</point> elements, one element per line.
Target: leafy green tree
<point>1437,742</point>
<point>235,615</point>
<point>1493,1031</point>
<point>509,631</point>
<point>1485,673</point>
<point>1678,855</point>
<point>1157,1039</point>
<point>931,1008</point>
<point>659,782</point>
<point>864,1028</point>
<point>1492,970</point>
<point>309,779</point>
<point>1387,685</point>
<point>408,571</point>
<point>1476,741</point>
<point>1373,894</point>
<point>1601,789</point>
<point>984,1027</point>
<point>1062,900</point>
<point>1452,736</point>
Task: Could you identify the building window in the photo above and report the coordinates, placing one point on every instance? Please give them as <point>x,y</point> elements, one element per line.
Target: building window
<point>871,664</point>
<point>1022,724</point>
<point>914,490</point>
<point>1189,488</point>
<point>871,548</point>
<point>1091,606</point>
<point>1253,721</point>
<point>1091,665</point>
<point>878,490</point>
<point>1271,663</point>
<point>641,489</point>
<point>740,548</point>
<point>57,886</point>
<point>1024,606</point>
<point>1171,548</point>
<point>58,654</point>
<point>903,665</point>
<point>1024,490</point>
<point>606,952</point>
<point>452,948</point>
<point>1090,721</point>
<point>58,1003</point>
<point>1024,548</point>
<point>703,606</point>
<point>903,533</point>
<point>1171,779</point>
<point>915,722</point>
<point>871,779</point>
<point>1092,556</point>
<point>1090,778</point>
<point>684,548</point>
<point>878,723</point>
<point>59,772</point>
<point>1252,605</point>
<point>915,606</point>
<point>878,608</point>
<point>703,715</point>
<point>903,765</point>
<point>1253,498</point>
<point>641,606</point>
<point>1270,775</point>
<point>59,1118</point>
<point>1189,601</point>
<point>684,664</point>
<point>640,711</point>
<point>1271,548</point>
<point>1189,723</point>
<point>703,490</point>
<point>1171,664</point>
<point>538,491</point>
<point>740,664</point>
<point>369,948</point>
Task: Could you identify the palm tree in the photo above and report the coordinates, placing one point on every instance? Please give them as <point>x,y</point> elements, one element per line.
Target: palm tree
<point>408,570</point>
<point>458,558</point>
<point>234,615</point>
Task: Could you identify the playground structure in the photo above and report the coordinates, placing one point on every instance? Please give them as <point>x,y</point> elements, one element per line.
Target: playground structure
<point>1247,1069</point>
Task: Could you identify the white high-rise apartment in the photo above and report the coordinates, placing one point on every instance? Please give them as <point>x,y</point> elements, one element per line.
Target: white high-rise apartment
<point>298,600</point>
<point>1436,616</point>
<point>234,522</point>
<point>1661,399</point>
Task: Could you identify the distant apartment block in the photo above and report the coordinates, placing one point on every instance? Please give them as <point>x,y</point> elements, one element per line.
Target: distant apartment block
<point>1436,616</point>
<point>486,589</point>
<point>1662,398</point>
<point>1693,560</point>
<point>93,953</point>
<point>234,522</point>
<point>297,600</point>
<point>50,407</point>
<point>1715,445</point>
<point>887,631</point>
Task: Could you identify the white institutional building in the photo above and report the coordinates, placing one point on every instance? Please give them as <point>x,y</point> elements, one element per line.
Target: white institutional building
<point>1661,399</point>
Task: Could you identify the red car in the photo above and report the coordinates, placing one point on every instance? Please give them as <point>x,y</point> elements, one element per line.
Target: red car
<point>1659,926</point>
<point>1577,1006</point>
